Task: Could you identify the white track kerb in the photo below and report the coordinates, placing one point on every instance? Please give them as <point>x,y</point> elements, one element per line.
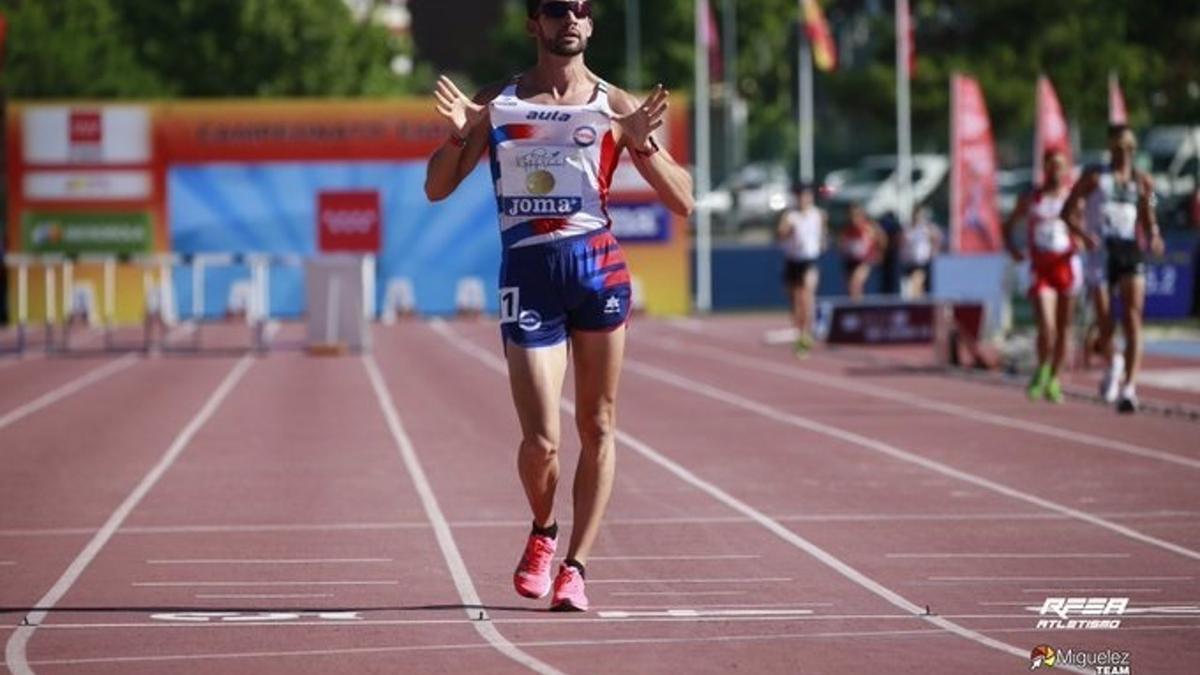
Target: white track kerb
<point>760,518</point>
<point>441,529</point>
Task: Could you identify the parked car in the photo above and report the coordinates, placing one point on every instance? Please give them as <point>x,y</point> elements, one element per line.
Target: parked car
<point>874,183</point>
<point>753,197</point>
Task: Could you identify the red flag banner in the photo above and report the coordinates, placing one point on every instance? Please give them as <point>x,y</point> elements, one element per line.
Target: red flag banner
<point>974,220</point>
<point>819,36</point>
<point>1116,102</point>
<point>1051,132</point>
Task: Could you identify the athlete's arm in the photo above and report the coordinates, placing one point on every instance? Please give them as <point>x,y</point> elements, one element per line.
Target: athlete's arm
<point>1072,211</point>
<point>1146,214</point>
<point>635,123</point>
<point>466,120</point>
<point>1017,214</point>
<point>784,229</point>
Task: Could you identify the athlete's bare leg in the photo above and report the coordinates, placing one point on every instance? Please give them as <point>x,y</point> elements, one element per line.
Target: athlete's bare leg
<point>1062,334</point>
<point>1133,296</point>
<point>858,280</point>
<point>597,357</point>
<point>1044,311</point>
<point>1104,322</point>
<point>808,297</point>
<point>536,379</point>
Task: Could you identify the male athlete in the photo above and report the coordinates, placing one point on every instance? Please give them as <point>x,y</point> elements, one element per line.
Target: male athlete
<point>554,134</point>
<point>1118,201</point>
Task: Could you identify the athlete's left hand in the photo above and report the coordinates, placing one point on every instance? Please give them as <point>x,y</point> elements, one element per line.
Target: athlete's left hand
<point>638,125</point>
<point>1156,245</point>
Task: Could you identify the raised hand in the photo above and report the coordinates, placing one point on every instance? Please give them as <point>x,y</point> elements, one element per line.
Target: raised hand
<point>1156,245</point>
<point>645,120</point>
<point>459,111</point>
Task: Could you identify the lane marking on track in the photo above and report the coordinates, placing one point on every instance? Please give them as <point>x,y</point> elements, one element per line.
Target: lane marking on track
<point>196,620</point>
<point>441,528</point>
<point>765,637</point>
<point>993,579</point>
<point>688,613</point>
<point>773,526</point>
<point>739,580</point>
<point>712,520</point>
<point>768,412</point>
<point>64,390</point>
<point>14,652</point>
<point>1092,589</point>
<point>268,561</point>
<point>186,584</point>
<point>674,557</point>
<point>1019,556</point>
<point>675,593</point>
<point>260,596</point>
<point>915,401</point>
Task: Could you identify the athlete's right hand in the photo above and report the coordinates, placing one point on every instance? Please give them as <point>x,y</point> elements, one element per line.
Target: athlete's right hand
<point>459,111</point>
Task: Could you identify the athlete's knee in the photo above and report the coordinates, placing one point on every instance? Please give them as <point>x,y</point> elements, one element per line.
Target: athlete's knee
<point>597,426</point>
<point>539,448</point>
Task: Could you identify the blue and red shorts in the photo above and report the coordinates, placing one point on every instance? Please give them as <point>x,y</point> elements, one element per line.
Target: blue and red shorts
<point>549,290</point>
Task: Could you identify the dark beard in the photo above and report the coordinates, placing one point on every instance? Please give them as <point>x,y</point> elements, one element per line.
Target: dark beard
<point>552,45</point>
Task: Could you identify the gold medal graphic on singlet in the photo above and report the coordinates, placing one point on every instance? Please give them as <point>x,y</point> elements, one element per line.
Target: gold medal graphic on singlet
<point>540,182</point>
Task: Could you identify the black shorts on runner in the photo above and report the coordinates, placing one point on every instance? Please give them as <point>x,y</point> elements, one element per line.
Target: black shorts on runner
<point>1124,259</point>
<point>909,268</point>
<point>795,271</point>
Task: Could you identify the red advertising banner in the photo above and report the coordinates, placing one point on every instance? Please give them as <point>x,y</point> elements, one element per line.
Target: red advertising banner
<point>974,220</point>
<point>348,221</point>
<point>1051,131</point>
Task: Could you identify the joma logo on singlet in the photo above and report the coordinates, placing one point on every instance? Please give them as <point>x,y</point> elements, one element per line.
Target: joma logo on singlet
<point>548,116</point>
<point>542,206</point>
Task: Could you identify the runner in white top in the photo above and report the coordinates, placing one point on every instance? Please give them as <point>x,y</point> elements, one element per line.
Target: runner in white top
<point>920,241</point>
<point>564,277</point>
<point>803,233</point>
<point>1119,202</point>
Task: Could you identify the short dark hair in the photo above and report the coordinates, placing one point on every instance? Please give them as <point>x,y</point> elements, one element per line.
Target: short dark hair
<point>531,7</point>
<point>1115,130</point>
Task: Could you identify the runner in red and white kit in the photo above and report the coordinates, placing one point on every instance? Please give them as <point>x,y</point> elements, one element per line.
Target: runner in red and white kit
<point>1055,268</point>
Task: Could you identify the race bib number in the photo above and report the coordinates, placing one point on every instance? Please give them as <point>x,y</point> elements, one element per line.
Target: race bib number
<point>1120,220</point>
<point>541,182</point>
<point>1051,236</point>
<point>510,304</point>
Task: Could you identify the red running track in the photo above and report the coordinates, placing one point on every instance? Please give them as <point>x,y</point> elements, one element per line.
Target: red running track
<point>359,515</point>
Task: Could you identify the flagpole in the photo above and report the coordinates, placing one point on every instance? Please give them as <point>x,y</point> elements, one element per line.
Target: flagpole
<point>729,47</point>
<point>903,115</point>
<point>805,99</point>
<point>703,153</point>
<point>1037,133</point>
<point>633,45</point>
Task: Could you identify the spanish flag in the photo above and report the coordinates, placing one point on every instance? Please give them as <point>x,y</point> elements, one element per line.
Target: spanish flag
<point>817,30</point>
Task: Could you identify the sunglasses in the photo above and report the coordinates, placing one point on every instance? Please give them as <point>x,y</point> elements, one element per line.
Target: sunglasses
<point>558,10</point>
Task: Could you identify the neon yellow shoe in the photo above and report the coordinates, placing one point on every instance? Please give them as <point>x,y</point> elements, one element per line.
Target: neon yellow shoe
<point>1054,390</point>
<point>1037,386</point>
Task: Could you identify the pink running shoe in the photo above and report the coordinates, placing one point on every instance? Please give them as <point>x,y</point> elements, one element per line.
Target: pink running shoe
<point>568,591</point>
<point>532,578</point>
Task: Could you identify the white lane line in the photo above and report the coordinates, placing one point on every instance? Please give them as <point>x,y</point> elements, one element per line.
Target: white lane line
<point>14,652</point>
<point>631,522</point>
<point>992,579</point>
<point>233,584</point>
<point>675,593</point>
<point>260,596</point>
<point>58,393</point>
<point>7,562</point>
<point>914,401</point>
<point>771,525</point>
<point>1006,555</point>
<point>769,412</point>
<point>267,561</point>
<point>441,528</point>
<point>673,557</point>
<point>693,612</point>
<point>740,580</point>
<point>1091,589</point>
